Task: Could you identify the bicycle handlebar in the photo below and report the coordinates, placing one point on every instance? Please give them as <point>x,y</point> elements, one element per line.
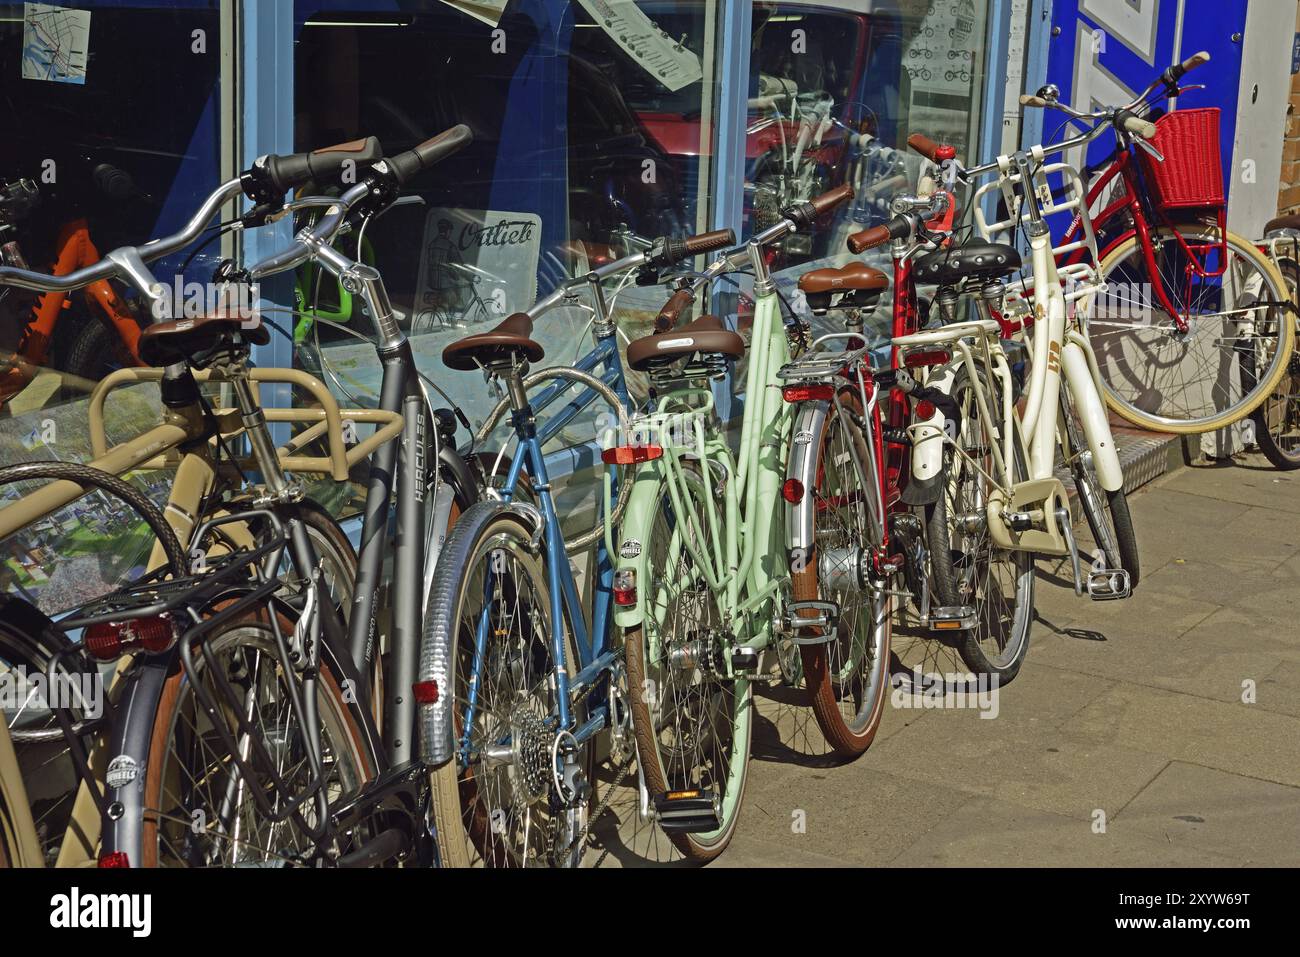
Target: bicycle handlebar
<point>403,166</point>
<point>282,173</point>
<point>897,228</point>
<point>111,266</point>
<point>1179,70</point>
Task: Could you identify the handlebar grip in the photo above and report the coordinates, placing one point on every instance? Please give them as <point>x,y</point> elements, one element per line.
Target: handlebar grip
<point>297,169</point>
<point>1176,72</point>
<point>707,242</point>
<point>803,214</point>
<point>113,181</point>
<point>827,201</point>
<point>1028,100</point>
<point>896,228</point>
<point>924,145</point>
<point>405,165</point>
<point>670,250</point>
<point>668,315</point>
<point>1135,124</point>
<point>868,239</point>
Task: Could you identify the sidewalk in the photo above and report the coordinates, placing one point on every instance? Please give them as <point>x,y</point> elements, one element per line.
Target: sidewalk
<point>1125,739</point>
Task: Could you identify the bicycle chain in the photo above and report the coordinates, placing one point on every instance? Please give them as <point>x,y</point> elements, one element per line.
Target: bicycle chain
<point>595,812</point>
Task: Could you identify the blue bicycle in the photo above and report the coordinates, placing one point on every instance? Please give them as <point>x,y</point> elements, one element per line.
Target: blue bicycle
<point>515,682</point>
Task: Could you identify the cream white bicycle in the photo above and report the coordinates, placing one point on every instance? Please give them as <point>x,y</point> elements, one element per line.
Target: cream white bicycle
<point>1043,315</point>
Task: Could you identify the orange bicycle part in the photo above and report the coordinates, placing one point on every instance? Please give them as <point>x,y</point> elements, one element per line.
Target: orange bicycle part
<point>77,251</point>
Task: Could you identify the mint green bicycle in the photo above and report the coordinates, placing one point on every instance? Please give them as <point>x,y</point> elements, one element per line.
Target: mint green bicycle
<point>702,578</point>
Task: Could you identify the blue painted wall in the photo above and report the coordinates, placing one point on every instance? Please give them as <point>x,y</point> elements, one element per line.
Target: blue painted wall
<point>1206,25</point>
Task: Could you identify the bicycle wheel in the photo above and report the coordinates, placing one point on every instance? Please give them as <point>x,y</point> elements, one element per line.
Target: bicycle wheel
<point>497,803</point>
<point>1107,512</point>
<point>846,678</point>
<point>691,723</point>
<point>199,810</point>
<point>966,566</point>
<point>1277,420</point>
<point>1233,354</point>
<point>28,643</point>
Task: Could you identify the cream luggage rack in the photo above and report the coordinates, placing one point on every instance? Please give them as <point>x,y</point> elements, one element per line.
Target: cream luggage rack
<point>326,420</point>
<point>1078,279</point>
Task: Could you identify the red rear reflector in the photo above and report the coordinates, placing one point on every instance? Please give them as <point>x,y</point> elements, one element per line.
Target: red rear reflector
<point>925,410</point>
<point>111,639</point>
<point>426,692</point>
<point>114,859</point>
<point>808,392</point>
<point>933,357</point>
<point>625,587</point>
<point>631,454</point>
<point>792,491</point>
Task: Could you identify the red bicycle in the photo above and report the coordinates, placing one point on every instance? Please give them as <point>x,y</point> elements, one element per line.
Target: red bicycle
<point>1187,321</point>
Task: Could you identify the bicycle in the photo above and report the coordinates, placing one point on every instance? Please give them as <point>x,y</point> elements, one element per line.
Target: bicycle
<point>524,680</point>
<point>958,452</point>
<point>33,648</point>
<point>1213,344</point>
<point>347,636</point>
<point>701,582</point>
<point>106,339</point>
<point>1277,419</point>
<point>1063,404</point>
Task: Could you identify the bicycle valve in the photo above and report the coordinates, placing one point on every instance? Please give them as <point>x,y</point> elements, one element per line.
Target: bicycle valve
<point>946,299</point>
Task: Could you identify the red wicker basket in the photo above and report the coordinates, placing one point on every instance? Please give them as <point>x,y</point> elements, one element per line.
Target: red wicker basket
<point>1192,173</point>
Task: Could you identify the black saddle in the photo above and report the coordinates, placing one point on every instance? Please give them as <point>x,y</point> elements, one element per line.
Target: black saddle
<point>975,260</point>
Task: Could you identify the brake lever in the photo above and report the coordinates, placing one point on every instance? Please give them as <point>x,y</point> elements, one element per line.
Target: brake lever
<point>1139,141</point>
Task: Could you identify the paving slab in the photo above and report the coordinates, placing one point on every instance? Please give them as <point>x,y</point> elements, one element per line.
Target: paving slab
<point>1188,806</point>
<point>1239,738</point>
<point>989,833</point>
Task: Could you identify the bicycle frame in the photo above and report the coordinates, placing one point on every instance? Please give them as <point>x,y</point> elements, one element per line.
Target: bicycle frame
<point>595,653</point>
<point>1131,202</point>
<point>731,548</point>
<point>76,251</point>
<point>1060,347</point>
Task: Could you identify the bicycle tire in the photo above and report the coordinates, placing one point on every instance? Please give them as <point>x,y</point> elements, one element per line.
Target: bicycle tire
<point>1280,412</point>
<point>830,675</point>
<point>28,639</point>
<point>736,712</point>
<point>469,829</point>
<point>1107,513</point>
<point>352,758</point>
<point>953,584</point>
<point>1260,386</point>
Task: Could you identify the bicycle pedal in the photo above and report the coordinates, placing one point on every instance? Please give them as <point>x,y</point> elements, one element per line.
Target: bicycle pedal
<point>744,659</point>
<point>688,812</point>
<point>1109,584</point>
<point>953,618</point>
<point>826,618</point>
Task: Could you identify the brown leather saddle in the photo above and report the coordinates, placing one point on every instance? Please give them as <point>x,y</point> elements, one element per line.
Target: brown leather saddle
<point>862,284</point>
<point>506,343</point>
<point>197,341</point>
<point>705,335</point>
<point>1291,221</point>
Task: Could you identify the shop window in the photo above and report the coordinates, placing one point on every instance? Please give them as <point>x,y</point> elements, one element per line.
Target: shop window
<point>111,113</point>
<point>835,90</point>
<point>579,149</point>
